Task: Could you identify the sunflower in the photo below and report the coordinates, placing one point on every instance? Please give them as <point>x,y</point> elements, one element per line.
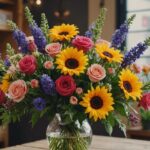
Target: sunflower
<point>63,32</point>
<point>98,103</point>
<point>110,54</point>
<point>5,83</point>
<point>71,61</point>
<point>130,84</point>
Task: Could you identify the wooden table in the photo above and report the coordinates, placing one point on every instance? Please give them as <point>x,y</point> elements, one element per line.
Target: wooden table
<point>98,143</point>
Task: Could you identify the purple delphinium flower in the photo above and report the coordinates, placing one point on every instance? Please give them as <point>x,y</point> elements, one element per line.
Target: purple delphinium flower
<point>135,53</point>
<point>47,85</point>
<point>89,32</point>
<point>39,37</point>
<point>120,35</point>
<point>39,103</point>
<point>20,38</point>
<point>7,62</point>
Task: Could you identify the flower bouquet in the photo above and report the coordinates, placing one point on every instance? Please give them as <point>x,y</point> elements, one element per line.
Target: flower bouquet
<point>70,79</point>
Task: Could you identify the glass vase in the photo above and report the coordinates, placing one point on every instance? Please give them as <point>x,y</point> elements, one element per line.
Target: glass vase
<point>73,136</point>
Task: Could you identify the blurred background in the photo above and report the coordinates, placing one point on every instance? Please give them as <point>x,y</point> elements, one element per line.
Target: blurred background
<point>82,13</point>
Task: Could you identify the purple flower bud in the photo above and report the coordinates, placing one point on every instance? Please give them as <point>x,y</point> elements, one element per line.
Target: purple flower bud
<point>39,37</point>
<point>47,85</point>
<point>119,36</point>
<point>39,103</point>
<point>133,54</point>
<point>20,38</point>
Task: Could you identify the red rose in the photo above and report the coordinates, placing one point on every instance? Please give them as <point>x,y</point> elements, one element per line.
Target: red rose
<point>2,97</point>
<point>65,85</point>
<point>145,101</point>
<point>82,43</point>
<point>27,64</point>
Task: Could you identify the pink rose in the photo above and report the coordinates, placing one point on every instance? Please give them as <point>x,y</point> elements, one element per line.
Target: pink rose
<point>82,43</point>
<point>145,101</point>
<point>17,90</point>
<point>28,64</point>
<point>96,73</point>
<point>53,49</point>
<point>73,100</point>
<point>34,83</point>
<point>48,65</point>
<point>79,90</point>
<point>111,70</point>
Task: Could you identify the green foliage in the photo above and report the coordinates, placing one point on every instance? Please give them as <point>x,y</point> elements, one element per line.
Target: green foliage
<point>97,30</point>
<point>45,26</point>
<point>131,19</point>
<point>146,86</point>
<point>12,25</point>
<point>9,49</point>
<point>122,108</point>
<point>147,41</point>
<point>13,114</point>
<point>122,126</point>
<point>108,126</point>
<point>111,121</point>
<point>29,16</point>
<point>145,114</point>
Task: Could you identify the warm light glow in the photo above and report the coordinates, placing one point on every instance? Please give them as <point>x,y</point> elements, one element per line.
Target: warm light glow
<point>38,2</point>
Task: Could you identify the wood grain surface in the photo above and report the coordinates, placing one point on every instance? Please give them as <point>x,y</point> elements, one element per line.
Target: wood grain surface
<point>98,143</point>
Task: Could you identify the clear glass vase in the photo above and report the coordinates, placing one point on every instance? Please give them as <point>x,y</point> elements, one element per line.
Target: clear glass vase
<point>71,136</point>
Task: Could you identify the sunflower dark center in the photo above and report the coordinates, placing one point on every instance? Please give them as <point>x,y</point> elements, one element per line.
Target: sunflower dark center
<point>63,33</point>
<point>96,102</point>
<point>108,54</point>
<point>127,86</point>
<point>71,63</point>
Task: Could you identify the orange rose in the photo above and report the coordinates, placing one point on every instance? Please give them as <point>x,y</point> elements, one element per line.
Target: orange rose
<point>96,73</point>
<point>34,83</point>
<point>48,65</point>
<point>17,90</point>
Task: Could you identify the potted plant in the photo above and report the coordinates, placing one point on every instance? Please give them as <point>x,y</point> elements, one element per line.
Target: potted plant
<point>145,111</point>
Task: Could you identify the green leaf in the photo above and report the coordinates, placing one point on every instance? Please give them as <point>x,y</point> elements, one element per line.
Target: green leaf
<point>130,20</point>
<point>43,112</point>
<point>35,118</point>
<point>145,114</point>
<point>45,26</point>
<point>122,108</point>
<point>111,119</point>
<point>97,30</point>
<point>108,127</point>
<point>12,25</point>
<point>29,16</point>
<point>121,125</point>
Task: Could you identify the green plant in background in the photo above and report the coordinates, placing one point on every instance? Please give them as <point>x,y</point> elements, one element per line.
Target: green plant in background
<point>145,114</point>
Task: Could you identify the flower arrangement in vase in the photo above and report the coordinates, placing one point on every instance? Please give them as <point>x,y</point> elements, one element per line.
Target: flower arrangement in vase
<point>69,78</point>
